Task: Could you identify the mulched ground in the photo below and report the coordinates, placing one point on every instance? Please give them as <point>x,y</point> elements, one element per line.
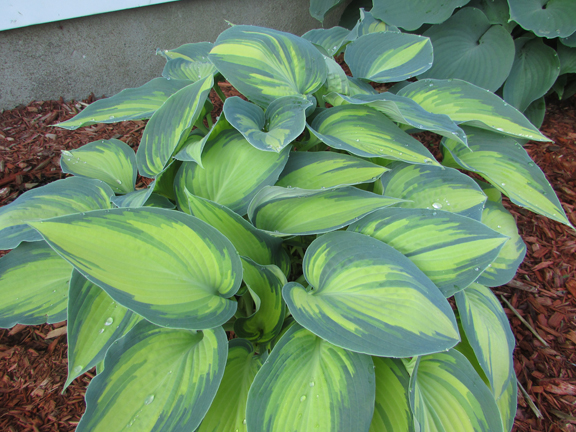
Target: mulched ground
<point>33,362</point>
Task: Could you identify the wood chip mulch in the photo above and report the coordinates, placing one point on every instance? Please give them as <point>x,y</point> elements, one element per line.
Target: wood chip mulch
<point>33,363</point>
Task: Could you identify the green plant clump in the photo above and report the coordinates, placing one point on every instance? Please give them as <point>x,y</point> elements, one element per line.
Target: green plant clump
<point>307,220</point>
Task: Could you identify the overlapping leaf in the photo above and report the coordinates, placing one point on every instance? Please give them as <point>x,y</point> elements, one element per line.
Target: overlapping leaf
<point>367,23</point>
<point>367,297</point>
<point>508,404</point>
<point>545,18</point>
<point>130,253</point>
<point>188,62</point>
<point>411,14</point>
<point>331,39</point>
<point>319,8</point>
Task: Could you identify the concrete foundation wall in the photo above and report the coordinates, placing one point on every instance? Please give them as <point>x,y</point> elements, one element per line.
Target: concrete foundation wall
<point>106,53</point>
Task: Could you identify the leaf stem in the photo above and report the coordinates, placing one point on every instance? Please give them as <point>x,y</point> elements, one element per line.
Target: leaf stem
<point>219,92</point>
<point>201,126</point>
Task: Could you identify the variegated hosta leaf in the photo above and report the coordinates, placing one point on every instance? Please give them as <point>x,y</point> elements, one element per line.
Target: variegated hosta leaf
<point>488,332</point>
<point>241,368</point>
<point>491,193</point>
<point>111,161</point>
<point>331,39</point>
<point>283,122</point>
<point>167,266</point>
<point>317,170</point>
<point>357,86</point>
<point>505,164</point>
<point>336,78</point>
<point>137,198</point>
<point>403,110</point>
<point>233,172</point>
<point>302,212</point>
<point>309,384</point>
<point>366,132</point>
<point>169,126</point>
<point>388,56</point>
<point>95,321</point>
<point>508,404</point>
<point>266,322</point>
<point>392,411</point>
<point>432,187</point>
<point>156,379</point>
<point>188,62</point>
<point>450,249</point>
<point>466,103</point>
<point>468,47</point>
<point>265,64</point>
<point>504,267</point>
<point>62,197</point>
<point>545,18</point>
<point>411,14</point>
<point>33,286</point>
<point>130,104</point>
<point>367,297</point>
<point>446,394</point>
<point>367,23</point>
<point>191,51</point>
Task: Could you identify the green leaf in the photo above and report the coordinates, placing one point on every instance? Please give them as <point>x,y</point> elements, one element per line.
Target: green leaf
<point>368,24</point>
<point>62,197</point>
<point>536,112</point>
<point>369,298</point>
<point>130,104</point>
<point>504,267</point>
<point>569,41</point>
<point>336,78</point>
<point>317,170</point>
<point>506,165</point>
<point>567,57</point>
<point>434,188</point>
<point>488,331</point>
<point>468,47</point>
<point>535,69</point>
<point>316,384</point>
<point>388,56</point>
<point>365,132</point>
<point>131,252</point>
<point>133,199</point>
<point>169,126</point>
<point>411,14</point>
<point>232,174</point>
<point>450,249</point>
<point>508,403</point>
<point>332,39</point>
<point>191,51</point>
<point>497,12</point>
<point>283,121</point>
<point>241,368</point>
<point>156,379</point>
<point>265,64</point>
<point>266,322</point>
<point>392,411</point>
<point>188,62</point>
<point>446,394</point>
<point>95,321</point>
<point>302,212</point>
<point>33,286</point>
<point>111,161</point>
<point>545,18</point>
<point>466,103</point>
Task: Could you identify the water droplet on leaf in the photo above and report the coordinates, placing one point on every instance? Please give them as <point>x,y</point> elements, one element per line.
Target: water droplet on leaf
<point>149,400</point>
<point>109,321</point>
<point>303,398</point>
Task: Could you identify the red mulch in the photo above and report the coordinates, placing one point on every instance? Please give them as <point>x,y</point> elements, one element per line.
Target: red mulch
<point>33,363</point>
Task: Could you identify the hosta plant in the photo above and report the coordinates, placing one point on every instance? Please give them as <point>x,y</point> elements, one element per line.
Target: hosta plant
<point>306,221</point>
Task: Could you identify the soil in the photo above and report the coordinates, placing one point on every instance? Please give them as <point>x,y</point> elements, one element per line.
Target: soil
<point>33,363</point>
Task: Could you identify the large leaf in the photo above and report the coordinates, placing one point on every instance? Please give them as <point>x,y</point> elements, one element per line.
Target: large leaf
<point>466,103</point>
<point>62,197</point>
<point>188,62</point>
<point>367,23</point>
<point>488,332</point>
<point>95,321</point>
<point>469,48</point>
<point>536,67</point>
<point>309,384</point>
<point>233,172</point>
<point>331,39</point>
<point>497,12</point>
<point>33,286</point>
<point>283,121</point>
<point>388,56</point>
<point>265,64</point>
<point>505,164</point>
<point>367,297</point>
<point>432,187</point>
<point>411,14</point>
<point>130,104</point>
<point>241,368</point>
<point>169,126</point>
<point>508,404</point>
<point>366,132</point>
<point>111,161</point>
<point>156,379</point>
<point>167,266</point>
<point>317,170</point>
<point>446,394</point>
<point>302,212</point>
<point>450,249</point>
<point>504,267</point>
<point>545,18</point>
<point>319,8</point>
<point>567,57</point>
